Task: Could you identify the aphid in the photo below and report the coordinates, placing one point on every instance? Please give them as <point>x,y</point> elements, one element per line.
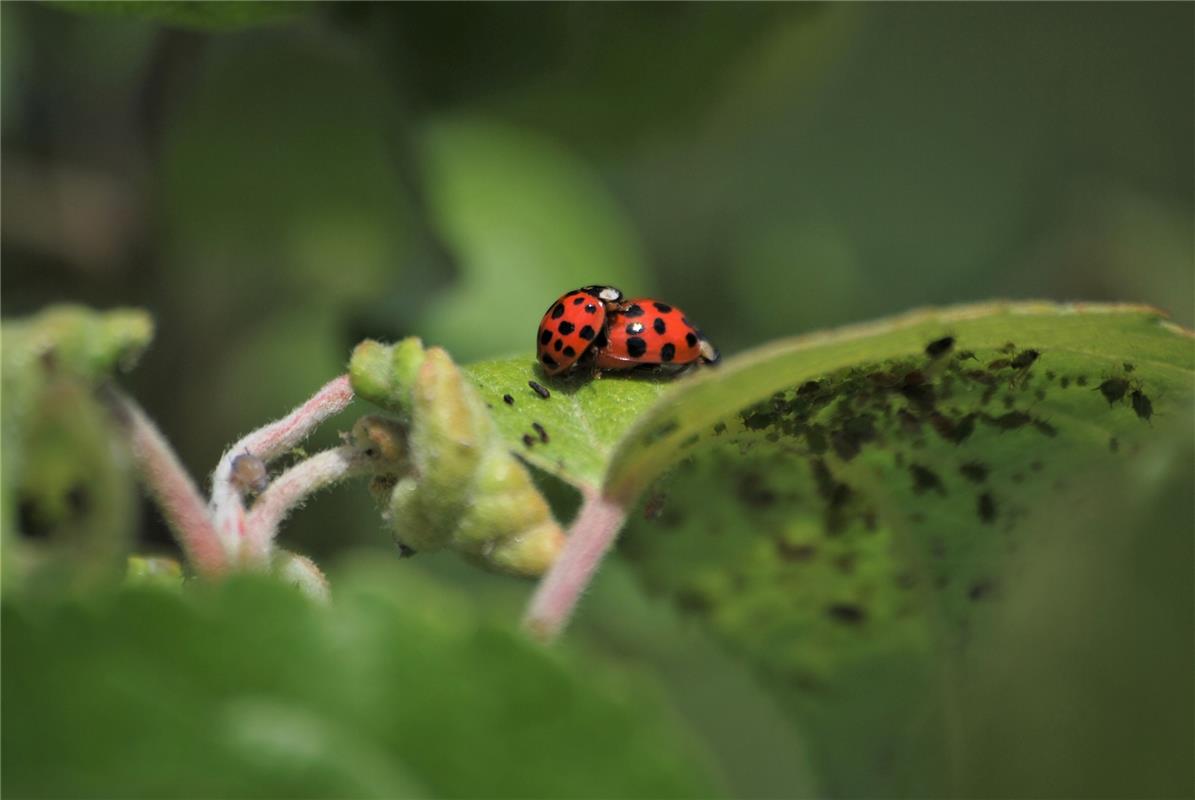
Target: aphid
<point>647,332</point>
<point>510,401</point>
<point>986,507</point>
<point>1142,404</point>
<point>249,473</point>
<point>573,325</point>
<point>539,389</point>
<point>1113,389</point>
<point>528,441</point>
<point>939,347</point>
<point>539,429</point>
<point>1024,358</point>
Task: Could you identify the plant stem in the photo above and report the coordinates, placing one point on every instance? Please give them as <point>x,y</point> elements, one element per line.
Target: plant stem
<point>590,537</point>
<point>267,443</point>
<point>291,488</point>
<point>176,494</point>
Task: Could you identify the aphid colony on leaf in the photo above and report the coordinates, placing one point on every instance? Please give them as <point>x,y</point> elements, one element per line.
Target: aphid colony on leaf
<point>595,328</point>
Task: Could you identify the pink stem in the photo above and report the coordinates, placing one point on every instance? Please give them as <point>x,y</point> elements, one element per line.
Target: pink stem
<point>171,486</point>
<point>590,537</point>
<point>291,488</point>
<point>267,443</point>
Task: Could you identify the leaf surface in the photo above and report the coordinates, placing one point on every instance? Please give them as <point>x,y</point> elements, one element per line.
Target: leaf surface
<point>398,690</point>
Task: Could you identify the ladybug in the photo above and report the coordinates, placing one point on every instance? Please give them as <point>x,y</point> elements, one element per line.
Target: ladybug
<point>646,332</point>
<point>573,325</point>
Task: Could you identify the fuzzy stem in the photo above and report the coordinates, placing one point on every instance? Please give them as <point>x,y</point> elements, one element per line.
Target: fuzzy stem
<point>269,442</point>
<point>590,537</point>
<point>291,488</point>
<point>175,492</point>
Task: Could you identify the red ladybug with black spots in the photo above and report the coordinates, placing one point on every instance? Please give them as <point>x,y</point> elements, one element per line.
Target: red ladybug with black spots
<point>573,327</point>
<point>646,332</point>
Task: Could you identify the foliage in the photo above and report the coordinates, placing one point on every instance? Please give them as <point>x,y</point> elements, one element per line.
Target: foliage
<point>399,690</point>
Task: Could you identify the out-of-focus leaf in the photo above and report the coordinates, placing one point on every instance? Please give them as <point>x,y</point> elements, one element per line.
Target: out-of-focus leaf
<point>66,499</point>
<point>397,690</point>
<point>848,534</point>
<point>191,13</point>
<point>527,221</point>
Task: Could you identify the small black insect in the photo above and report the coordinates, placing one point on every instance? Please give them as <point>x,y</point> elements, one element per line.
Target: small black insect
<point>1114,389</point>
<point>510,401</point>
<point>528,442</point>
<point>987,507</point>
<point>1142,405</point>
<point>543,434</point>
<point>1024,358</point>
<point>539,389</point>
<point>939,347</point>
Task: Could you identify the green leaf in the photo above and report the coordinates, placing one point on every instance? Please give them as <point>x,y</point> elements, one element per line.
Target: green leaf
<point>582,418</point>
<point>844,509</point>
<point>190,14</point>
<point>247,690</point>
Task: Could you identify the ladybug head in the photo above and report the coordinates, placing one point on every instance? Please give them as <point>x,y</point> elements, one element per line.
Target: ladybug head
<point>607,294</point>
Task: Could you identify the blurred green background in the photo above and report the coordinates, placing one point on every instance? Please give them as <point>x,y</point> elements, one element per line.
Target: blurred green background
<point>276,183</point>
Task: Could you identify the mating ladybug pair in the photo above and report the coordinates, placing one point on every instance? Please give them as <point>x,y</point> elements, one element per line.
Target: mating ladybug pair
<point>594,326</point>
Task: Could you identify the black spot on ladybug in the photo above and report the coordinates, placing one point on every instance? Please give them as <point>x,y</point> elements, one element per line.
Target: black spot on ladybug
<point>634,311</point>
<point>601,340</point>
<point>794,552</point>
<point>1142,405</point>
<point>635,328</point>
<point>925,479</point>
<point>548,361</point>
<point>668,351</point>
<point>1114,389</point>
<point>1024,358</point>
<point>846,613</point>
<point>569,352</point>
<point>636,347</point>
<point>691,339</point>
<point>558,345</point>
<point>591,309</point>
<point>545,336</point>
<point>539,429</point>
<point>586,332</point>
<point>986,507</point>
<point>974,471</point>
<point>558,311</point>
<point>510,401</point>
<point>662,308</point>
<point>528,442</point>
<point>578,300</point>
<point>939,347</point>
<point>566,328</point>
<point>539,389</point>
<point>658,325</point>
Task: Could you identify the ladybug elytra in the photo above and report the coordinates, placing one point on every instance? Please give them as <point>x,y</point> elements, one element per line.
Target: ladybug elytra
<point>594,325</point>
<point>572,325</point>
<point>647,332</point>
